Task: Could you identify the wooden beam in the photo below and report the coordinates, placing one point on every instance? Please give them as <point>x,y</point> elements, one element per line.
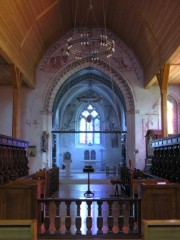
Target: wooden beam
<point>29,75</point>
<point>16,82</point>
<point>162,77</point>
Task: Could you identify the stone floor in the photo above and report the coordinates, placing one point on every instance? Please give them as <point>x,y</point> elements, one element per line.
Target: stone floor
<point>75,185</point>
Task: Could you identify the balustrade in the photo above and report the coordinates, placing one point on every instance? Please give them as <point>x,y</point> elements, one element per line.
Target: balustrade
<point>114,218</point>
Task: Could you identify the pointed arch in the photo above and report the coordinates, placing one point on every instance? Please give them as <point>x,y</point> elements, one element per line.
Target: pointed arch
<point>100,65</point>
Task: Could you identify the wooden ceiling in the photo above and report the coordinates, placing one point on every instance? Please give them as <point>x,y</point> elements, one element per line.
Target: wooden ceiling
<point>151,28</point>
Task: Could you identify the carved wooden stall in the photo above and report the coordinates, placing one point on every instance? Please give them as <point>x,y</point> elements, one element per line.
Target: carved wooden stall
<point>131,180</point>
<point>166,158</point>
<point>13,159</point>
<point>18,190</point>
<point>151,135</point>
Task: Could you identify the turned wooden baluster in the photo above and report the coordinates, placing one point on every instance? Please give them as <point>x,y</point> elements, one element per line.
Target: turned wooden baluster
<point>110,217</point>
<point>6,164</point>
<point>78,220</point>
<point>25,162</point>
<point>89,219</point>
<point>46,219</point>
<point>1,165</point>
<point>68,217</point>
<point>99,218</point>
<point>177,159</point>
<point>120,218</point>
<point>9,154</point>
<point>131,217</point>
<point>57,221</point>
<point>21,162</point>
<point>16,173</point>
<point>3,162</point>
<point>126,213</point>
<point>18,162</point>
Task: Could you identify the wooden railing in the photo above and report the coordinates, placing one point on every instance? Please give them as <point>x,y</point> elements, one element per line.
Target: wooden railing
<point>113,218</point>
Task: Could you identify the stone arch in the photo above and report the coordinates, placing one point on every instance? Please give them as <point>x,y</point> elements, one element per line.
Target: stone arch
<point>100,65</point>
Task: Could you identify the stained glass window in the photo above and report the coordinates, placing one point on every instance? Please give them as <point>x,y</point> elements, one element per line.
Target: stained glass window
<point>89,123</point>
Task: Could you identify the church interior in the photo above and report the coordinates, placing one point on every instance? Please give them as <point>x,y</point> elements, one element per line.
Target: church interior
<point>89,123</point>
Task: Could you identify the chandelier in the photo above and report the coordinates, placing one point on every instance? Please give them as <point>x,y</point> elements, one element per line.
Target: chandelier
<point>85,44</point>
<point>90,98</point>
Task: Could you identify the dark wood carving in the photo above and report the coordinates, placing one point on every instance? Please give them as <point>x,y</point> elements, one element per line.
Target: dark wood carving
<point>166,158</point>
<point>13,158</point>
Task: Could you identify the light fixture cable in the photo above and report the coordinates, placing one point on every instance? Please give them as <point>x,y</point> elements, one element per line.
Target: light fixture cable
<point>87,44</point>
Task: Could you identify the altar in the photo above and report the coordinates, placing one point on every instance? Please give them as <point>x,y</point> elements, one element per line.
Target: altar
<point>94,163</point>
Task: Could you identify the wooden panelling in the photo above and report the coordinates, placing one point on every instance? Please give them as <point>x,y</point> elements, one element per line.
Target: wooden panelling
<point>160,201</point>
<point>13,158</point>
<point>18,201</point>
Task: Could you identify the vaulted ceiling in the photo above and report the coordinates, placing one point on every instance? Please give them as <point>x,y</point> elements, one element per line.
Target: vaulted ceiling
<point>151,28</point>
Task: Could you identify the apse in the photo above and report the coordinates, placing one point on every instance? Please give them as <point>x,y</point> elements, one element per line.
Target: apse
<point>89,121</point>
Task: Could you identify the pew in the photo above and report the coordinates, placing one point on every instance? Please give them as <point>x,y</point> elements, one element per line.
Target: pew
<point>161,229</point>
<point>18,201</point>
<point>136,184</point>
<point>132,179</point>
<point>18,230</point>
<point>47,181</point>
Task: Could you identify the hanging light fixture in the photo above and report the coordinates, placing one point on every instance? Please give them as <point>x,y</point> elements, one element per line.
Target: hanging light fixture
<point>90,96</point>
<point>85,44</point>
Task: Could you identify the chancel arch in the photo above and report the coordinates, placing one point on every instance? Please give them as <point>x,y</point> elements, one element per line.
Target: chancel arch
<point>90,87</point>
<point>109,81</point>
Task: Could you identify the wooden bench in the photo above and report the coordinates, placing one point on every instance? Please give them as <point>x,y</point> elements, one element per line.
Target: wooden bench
<point>161,229</point>
<point>47,181</point>
<point>136,184</point>
<point>18,230</point>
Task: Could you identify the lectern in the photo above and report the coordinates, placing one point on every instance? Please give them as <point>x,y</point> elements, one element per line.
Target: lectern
<point>88,169</point>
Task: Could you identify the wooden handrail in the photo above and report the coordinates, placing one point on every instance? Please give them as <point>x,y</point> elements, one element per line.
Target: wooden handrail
<point>112,217</point>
